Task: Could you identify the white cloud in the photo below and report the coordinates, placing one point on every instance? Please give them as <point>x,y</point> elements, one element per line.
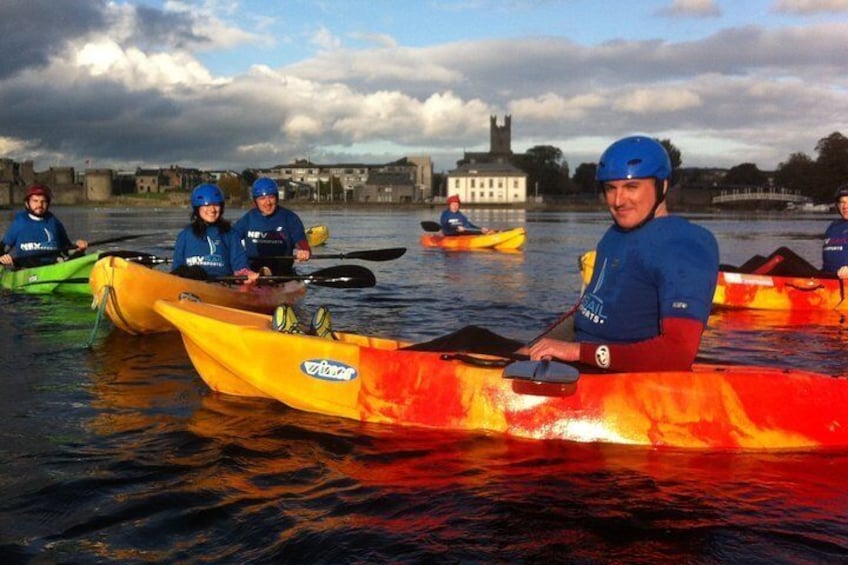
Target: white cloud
<point>692,8</point>
<point>810,6</point>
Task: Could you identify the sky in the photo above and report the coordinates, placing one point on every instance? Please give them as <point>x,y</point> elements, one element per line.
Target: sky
<point>235,84</point>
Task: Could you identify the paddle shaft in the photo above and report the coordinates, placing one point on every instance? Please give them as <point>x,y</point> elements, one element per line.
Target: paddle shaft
<point>369,255</point>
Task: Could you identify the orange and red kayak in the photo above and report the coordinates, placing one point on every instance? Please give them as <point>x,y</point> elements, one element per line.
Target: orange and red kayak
<point>375,380</point>
<point>765,292</point>
<point>506,240</point>
<point>127,291</point>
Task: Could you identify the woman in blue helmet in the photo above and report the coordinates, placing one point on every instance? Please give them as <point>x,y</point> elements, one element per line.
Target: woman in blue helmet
<point>209,247</point>
<point>271,232</point>
<point>647,304</point>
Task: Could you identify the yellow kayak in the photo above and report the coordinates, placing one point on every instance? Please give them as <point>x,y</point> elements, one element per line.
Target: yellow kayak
<point>506,240</point>
<point>127,291</point>
<point>317,235</point>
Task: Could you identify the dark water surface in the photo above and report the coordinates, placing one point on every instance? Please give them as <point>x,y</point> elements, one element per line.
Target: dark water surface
<point>120,454</point>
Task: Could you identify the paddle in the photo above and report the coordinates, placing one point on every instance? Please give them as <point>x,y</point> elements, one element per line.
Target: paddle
<point>340,276</point>
<point>50,252</point>
<point>435,226</point>
<point>371,255</point>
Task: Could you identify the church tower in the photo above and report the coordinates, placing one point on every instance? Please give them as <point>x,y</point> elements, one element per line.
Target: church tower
<point>500,136</point>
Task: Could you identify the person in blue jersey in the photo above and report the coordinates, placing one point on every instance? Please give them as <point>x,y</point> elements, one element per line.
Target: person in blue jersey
<point>454,222</point>
<point>835,247</point>
<point>36,236</point>
<point>209,247</point>
<point>647,304</point>
<point>783,262</point>
<point>272,233</point>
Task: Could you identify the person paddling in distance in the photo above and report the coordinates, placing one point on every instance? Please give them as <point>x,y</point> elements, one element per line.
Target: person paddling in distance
<point>783,262</point>
<point>454,222</point>
<point>270,232</point>
<point>209,247</point>
<point>36,234</point>
<point>835,246</point>
<point>647,304</point>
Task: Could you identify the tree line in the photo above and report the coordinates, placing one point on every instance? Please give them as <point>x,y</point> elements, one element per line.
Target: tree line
<point>817,177</point>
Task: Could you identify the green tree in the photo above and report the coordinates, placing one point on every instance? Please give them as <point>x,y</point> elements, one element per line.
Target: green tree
<point>673,153</point>
<point>584,177</point>
<point>248,177</point>
<point>832,163</point>
<point>230,185</point>
<point>797,173</point>
<point>746,174</point>
<point>546,169</point>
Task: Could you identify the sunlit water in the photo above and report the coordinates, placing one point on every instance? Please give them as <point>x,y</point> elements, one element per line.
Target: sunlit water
<point>119,453</point>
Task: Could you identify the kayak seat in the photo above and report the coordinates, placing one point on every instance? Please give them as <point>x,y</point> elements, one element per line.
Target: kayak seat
<point>471,339</point>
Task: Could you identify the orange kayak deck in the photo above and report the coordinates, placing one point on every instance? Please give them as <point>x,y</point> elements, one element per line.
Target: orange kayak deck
<point>507,240</point>
<point>371,379</point>
<point>130,290</point>
<point>764,292</point>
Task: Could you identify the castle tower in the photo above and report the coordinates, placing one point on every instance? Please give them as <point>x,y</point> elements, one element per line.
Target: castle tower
<point>501,136</point>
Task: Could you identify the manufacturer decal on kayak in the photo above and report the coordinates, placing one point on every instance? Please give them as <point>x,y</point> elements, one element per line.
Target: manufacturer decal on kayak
<point>328,370</point>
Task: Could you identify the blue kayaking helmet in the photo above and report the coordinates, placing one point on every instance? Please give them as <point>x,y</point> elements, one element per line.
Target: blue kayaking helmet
<point>840,192</point>
<point>636,157</point>
<point>205,194</point>
<point>265,187</point>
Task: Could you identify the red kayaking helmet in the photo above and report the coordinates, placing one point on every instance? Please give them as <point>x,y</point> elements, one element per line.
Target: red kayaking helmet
<point>453,198</point>
<point>39,190</point>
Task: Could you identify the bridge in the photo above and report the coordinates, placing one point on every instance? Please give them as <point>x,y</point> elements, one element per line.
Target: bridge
<point>771,196</point>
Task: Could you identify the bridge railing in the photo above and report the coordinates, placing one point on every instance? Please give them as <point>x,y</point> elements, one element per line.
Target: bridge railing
<point>756,193</point>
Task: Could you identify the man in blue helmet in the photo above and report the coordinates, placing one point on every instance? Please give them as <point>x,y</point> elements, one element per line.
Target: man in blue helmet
<point>271,233</point>
<point>209,247</point>
<point>651,291</point>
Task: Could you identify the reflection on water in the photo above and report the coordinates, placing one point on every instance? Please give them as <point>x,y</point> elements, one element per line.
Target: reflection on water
<point>119,453</point>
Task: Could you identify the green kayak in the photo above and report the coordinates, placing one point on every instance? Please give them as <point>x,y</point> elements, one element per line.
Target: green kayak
<point>69,277</point>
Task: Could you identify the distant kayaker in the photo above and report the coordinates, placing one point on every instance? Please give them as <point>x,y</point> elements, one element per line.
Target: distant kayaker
<point>835,247</point>
<point>36,235</point>
<point>783,262</point>
<point>651,291</point>
<point>209,247</point>
<point>455,222</point>
<point>271,232</point>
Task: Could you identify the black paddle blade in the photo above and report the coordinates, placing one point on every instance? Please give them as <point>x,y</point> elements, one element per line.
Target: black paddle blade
<point>430,226</point>
<point>341,276</point>
<point>374,254</point>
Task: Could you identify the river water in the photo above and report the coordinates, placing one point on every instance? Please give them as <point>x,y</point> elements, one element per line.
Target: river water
<point>118,453</point>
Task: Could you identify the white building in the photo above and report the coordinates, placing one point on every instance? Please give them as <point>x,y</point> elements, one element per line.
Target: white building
<point>488,183</point>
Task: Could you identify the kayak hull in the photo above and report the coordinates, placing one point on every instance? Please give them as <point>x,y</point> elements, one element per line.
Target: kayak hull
<point>127,292</point>
<point>764,292</point>
<point>64,277</point>
<point>374,380</point>
<point>507,240</point>
<point>317,235</point>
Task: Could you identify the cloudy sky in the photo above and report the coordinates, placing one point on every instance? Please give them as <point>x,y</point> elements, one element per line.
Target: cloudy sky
<point>251,83</point>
